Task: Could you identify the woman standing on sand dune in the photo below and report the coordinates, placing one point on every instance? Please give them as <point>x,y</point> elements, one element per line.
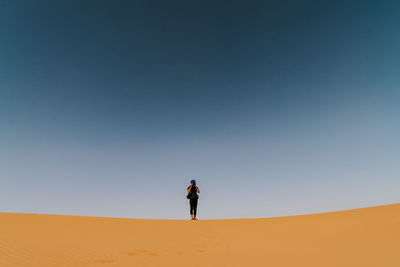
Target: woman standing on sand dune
<point>193,197</point>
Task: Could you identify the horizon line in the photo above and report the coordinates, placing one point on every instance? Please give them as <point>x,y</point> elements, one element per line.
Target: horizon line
<point>232,219</point>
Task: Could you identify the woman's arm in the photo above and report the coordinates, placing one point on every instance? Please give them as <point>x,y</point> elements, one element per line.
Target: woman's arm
<point>198,190</point>
<point>190,187</point>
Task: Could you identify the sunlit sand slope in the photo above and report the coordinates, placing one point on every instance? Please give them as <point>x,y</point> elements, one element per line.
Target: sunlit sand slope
<point>361,237</point>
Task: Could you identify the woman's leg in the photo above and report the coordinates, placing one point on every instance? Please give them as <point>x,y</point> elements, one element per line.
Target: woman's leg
<point>191,208</point>
<point>194,207</point>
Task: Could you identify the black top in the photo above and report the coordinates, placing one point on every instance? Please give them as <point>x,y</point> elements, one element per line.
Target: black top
<point>193,191</point>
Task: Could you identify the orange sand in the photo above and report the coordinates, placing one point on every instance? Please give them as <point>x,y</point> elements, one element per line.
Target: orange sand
<point>360,237</point>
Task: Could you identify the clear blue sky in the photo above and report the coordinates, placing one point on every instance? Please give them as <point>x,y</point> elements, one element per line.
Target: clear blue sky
<point>110,108</point>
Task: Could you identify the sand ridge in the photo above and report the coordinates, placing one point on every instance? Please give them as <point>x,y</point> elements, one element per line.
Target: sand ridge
<point>358,237</point>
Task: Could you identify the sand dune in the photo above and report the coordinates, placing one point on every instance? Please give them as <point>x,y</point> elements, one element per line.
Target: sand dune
<point>360,237</point>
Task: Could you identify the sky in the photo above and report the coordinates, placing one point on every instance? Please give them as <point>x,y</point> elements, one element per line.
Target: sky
<point>110,108</point>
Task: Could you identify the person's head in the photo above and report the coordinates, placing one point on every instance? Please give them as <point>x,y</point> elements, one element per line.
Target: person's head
<point>193,182</point>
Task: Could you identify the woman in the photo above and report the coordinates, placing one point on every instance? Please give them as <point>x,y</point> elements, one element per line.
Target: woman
<point>192,196</point>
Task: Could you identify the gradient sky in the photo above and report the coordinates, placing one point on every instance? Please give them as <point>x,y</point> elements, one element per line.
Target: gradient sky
<point>109,108</point>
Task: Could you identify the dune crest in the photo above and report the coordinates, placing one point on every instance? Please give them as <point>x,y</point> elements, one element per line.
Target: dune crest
<point>358,237</point>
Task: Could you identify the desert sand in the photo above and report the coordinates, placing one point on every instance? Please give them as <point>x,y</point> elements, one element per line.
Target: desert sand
<point>358,237</point>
